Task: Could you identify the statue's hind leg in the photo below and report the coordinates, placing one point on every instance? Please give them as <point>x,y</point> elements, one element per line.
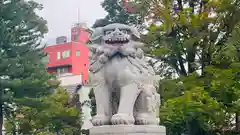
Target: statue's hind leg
<point>144,107</point>
<point>103,104</point>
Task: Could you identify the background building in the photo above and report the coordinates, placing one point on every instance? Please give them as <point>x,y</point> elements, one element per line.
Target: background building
<point>70,57</point>
<point>70,61</point>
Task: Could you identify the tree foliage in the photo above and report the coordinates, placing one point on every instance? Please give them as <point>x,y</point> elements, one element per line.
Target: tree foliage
<point>53,114</point>
<point>191,111</point>
<point>117,13</point>
<point>22,75</point>
<point>197,41</point>
<point>93,102</point>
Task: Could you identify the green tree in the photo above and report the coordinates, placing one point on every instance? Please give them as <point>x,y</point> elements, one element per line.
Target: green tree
<point>119,13</point>
<point>100,23</point>
<point>191,112</point>
<point>93,102</point>
<point>55,114</point>
<point>198,41</point>
<point>22,75</point>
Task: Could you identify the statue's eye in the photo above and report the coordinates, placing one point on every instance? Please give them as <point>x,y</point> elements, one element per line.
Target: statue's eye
<point>108,32</point>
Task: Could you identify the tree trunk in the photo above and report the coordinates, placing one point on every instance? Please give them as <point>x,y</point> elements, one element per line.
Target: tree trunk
<point>191,58</point>
<point>181,64</point>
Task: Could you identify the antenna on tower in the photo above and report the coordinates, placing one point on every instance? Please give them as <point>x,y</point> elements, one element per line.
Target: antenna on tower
<point>78,21</point>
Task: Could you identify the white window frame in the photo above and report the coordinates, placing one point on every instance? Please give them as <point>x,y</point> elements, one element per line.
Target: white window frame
<point>78,53</point>
<point>66,54</point>
<point>48,58</point>
<point>58,55</point>
<point>75,37</point>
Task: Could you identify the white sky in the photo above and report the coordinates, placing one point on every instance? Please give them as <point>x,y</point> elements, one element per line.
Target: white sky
<point>62,14</point>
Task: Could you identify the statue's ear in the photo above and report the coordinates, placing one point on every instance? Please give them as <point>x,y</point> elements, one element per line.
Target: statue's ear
<point>135,33</point>
<point>97,34</point>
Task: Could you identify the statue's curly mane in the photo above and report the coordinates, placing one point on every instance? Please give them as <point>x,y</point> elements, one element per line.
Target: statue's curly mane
<point>121,73</point>
<point>104,53</point>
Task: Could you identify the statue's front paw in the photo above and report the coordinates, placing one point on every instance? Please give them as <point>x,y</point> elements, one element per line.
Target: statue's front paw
<point>120,119</point>
<point>99,120</point>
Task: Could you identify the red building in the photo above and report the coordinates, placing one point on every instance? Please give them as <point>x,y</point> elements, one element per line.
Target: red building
<point>70,57</point>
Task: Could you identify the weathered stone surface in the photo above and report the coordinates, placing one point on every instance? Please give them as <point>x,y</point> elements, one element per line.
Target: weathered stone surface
<point>124,83</point>
<point>128,130</point>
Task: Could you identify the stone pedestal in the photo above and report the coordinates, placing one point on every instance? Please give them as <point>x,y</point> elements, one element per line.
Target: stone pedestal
<point>128,130</point>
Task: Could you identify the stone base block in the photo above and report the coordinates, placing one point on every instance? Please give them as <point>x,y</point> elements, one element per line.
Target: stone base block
<point>128,130</point>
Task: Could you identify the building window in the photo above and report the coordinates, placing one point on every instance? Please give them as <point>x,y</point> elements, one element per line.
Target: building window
<point>75,37</point>
<point>77,53</point>
<point>58,55</point>
<point>62,70</point>
<point>66,54</point>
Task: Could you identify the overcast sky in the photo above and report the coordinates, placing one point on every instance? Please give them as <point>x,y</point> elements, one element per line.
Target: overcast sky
<point>62,14</point>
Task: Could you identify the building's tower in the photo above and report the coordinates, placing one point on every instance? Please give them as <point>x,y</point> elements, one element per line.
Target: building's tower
<point>70,61</point>
<point>80,33</point>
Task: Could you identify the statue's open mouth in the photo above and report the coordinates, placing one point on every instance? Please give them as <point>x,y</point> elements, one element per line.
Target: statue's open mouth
<point>118,41</point>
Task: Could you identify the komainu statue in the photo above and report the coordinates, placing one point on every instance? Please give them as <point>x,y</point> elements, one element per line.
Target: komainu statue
<point>124,84</point>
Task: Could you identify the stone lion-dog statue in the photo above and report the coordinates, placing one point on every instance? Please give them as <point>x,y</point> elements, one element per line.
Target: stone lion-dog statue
<point>124,84</point>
